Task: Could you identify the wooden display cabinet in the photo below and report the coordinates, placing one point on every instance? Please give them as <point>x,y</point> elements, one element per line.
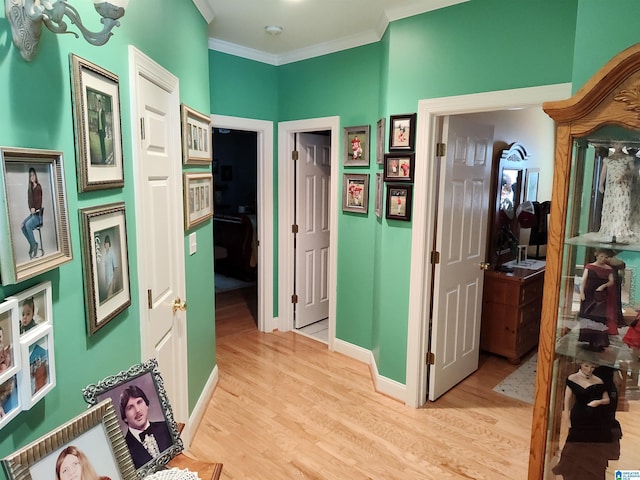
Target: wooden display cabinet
<point>598,126</point>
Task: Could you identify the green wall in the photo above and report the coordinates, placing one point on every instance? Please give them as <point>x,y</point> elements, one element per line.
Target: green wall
<point>37,113</point>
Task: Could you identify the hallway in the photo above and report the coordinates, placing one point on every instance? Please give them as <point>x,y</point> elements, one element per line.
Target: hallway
<point>286,408</point>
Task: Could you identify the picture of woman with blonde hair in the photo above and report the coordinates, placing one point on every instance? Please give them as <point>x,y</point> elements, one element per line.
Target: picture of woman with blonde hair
<point>73,464</point>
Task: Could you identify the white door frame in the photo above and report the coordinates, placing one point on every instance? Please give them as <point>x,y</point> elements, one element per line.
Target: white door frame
<point>286,136</point>
<point>141,65</point>
<point>424,218</point>
<point>264,129</point>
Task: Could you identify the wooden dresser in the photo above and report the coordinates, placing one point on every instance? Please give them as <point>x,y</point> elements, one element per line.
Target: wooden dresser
<point>511,307</point>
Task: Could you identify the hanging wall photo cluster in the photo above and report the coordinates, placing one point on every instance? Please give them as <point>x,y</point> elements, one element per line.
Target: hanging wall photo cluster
<point>399,167</point>
<point>27,363</point>
<point>355,186</point>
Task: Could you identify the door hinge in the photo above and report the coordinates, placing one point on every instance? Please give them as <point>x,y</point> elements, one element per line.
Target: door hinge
<point>430,358</point>
<point>435,257</point>
<point>141,128</point>
<point>294,228</point>
<point>294,155</point>
<point>149,299</point>
<point>441,149</point>
<point>294,298</point>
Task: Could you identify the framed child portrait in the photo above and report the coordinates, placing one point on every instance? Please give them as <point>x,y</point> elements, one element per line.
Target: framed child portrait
<point>146,418</point>
<point>402,132</point>
<point>10,358</point>
<point>399,202</point>
<point>34,221</point>
<point>355,193</point>
<point>356,146</point>
<point>105,263</point>
<point>91,441</point>
<point>399,167</point>
<point>35,307</point>
<point>10,405</point>
<point>38,374</point>
<point>96,111</point>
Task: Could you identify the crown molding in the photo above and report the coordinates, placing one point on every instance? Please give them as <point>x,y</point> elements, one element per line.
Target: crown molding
<point>205,9</point>
<point>244,52</point>
<point>417,8</point>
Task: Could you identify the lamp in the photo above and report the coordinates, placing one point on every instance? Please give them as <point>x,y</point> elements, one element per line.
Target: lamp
<point>27,16</point>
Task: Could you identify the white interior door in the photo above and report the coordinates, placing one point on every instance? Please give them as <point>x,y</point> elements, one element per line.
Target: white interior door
<point>160,236</point>
<point>313,181</point>
<point>461,238</point>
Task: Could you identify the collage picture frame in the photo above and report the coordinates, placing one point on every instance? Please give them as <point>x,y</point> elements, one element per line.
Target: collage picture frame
<point>141,381</point>
<point>356,146</point>
<point>198,198</point>
<point>196,137</point>
<point>10,361</point>
<point>399,167</point>
<point>35,219</point>
<point>95,97</point>
<point>105,263</point>
<point>38,374</point>
<point>92,438</point>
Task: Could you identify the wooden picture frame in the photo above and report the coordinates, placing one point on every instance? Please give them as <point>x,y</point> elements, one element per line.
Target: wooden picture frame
<point>399,167</point>
<point>97,120</point>
<point>196,137</point>
<point>34,220</point>
<point>531,179</point>
<point>356,146</point>
<point>355,193</point>
<point>379,193</point>
<point>402,132</point>
<point>198,198</point>
<point>38,374</point>
<point>105,263</point>
<point>399,202</point>
<point>92,437</point>
<point>10,358</point>
<point>124,388</point>
<point>381,127</point>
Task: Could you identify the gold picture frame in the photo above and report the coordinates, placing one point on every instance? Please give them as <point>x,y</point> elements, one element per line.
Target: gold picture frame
<point>198,198</point>
<point>196,137</point>
<point>95,434</point>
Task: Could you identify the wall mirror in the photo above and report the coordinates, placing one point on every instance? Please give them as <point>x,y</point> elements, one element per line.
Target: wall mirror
<point>507,190</point>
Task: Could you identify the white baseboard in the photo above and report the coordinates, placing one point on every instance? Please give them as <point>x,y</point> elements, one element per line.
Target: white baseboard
<point>383,385</point>
<point>201,406</point>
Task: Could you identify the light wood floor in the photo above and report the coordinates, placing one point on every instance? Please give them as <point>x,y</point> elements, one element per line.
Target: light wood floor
<point>287,408</point>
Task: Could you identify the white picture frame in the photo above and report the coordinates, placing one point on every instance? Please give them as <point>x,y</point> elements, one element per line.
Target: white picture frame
<point>38,374</point>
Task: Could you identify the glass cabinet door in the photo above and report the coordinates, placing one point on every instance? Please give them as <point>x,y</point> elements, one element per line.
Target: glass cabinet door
<point>586,421</point>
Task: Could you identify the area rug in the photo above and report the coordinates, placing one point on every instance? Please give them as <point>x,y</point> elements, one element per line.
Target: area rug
<point>521,383</point>
<point>225,284</point>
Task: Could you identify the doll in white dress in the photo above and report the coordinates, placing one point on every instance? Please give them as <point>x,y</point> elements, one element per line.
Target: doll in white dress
<point>616,182</point>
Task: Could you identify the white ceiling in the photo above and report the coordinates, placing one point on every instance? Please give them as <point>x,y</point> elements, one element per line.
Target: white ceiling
<point>310,27</point>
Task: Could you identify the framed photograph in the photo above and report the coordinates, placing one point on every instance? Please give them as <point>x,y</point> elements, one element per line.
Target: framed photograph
<point>146,419</point>
<point>198,198</point>
<point>105,263</point>
<point>38,374</point>
<point>399,167</point>
<point>531,184</point>
<point>399,202</point>
<point>10,358</point>
<point>96,111</point>
<point>35,307</point>
<point>91,441</point>
<point>356,146</point>
<point>196,137</point>
<point>402,132</point>
<point>355,193</point>
<point>10,405</point>
<point>379,190</point>
<point>34,217</point>
<point>381,127</point>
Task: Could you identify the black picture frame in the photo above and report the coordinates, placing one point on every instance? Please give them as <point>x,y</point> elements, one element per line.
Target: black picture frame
<point>402,132</point>
<point>399,198</point>
<point>399,167</point>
